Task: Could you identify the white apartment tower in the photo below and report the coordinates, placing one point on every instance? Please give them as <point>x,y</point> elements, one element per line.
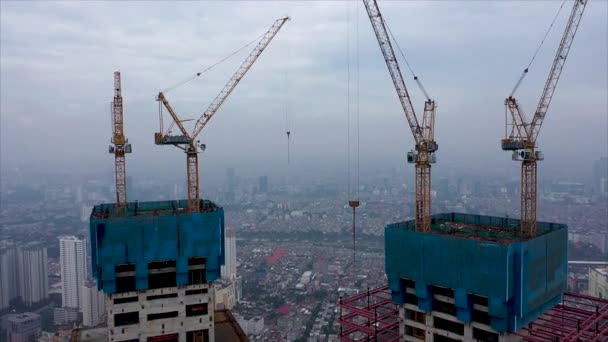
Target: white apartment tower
<point>229,268</point>
<point>93,304</point>
<point>72,256</point>
<point>9,282</point>
<point>33,274</point>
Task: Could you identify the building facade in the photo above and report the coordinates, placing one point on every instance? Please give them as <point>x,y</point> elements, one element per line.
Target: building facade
<point>9,285</point>
<point>473,277</point>
<point>72,256</point>
<point>93,304</point>
<point>229,268</point>
<point>23,327</point>
<point>33,273</point>
<point>598,282</point>
<point>156,264</point>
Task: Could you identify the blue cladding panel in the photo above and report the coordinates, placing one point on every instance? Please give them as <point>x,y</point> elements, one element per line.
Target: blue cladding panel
<point>521,278</point>
<point>146,237</point>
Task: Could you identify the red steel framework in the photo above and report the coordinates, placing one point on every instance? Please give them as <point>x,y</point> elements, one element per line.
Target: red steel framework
<point>372,316</point>
<point>577,318</point>
<point>369,316</point>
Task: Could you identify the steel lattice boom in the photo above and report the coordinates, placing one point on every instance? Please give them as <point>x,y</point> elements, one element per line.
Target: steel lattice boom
<point>120,146</point>
<point>423,135</point>
<point>188,139</point>
<point>521,135</point>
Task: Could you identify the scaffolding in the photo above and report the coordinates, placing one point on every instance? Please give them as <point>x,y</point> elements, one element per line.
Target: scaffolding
<point>372,316</point>
<point>369,316</point>
<point>577,318</point>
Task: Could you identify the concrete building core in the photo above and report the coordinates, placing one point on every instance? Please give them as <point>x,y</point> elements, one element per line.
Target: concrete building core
<point>155,262</point>
<point>473,277</point>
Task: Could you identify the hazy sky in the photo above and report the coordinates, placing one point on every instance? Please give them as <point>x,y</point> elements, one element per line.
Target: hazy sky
<point>57,60</point>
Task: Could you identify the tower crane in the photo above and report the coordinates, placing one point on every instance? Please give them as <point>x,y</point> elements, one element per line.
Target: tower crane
<point>186,140</point>
<point>423,134</point>
<point>521,134</point>
<point>120,146</point>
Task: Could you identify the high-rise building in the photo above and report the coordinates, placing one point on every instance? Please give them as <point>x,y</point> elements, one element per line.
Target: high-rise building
<point>444,188</point>
<point>158,277</point>
<point>229,268</point>
<point>263,184</point>
<point>93,304</point>
<point>33,274</point>
<point>510,281</point>
<point>9,281</point>
<point>72,257</point>
<point>598,282</point>
<point>23,327</point>
<point>231,184</point>
<point>600,176</point>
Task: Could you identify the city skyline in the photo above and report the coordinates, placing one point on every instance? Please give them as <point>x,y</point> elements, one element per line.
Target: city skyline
<point>469,123</point>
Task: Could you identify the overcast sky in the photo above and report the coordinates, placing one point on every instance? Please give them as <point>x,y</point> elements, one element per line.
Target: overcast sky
<point>57,60</point>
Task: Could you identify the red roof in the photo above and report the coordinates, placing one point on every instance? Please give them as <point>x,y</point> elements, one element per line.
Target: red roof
<point>284,310</point>
<point>276,255</point>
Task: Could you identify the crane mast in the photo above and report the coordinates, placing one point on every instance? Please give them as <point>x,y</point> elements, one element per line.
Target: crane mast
<point>521,135</point>
<point>423,135</point>
<point>185,140</point>
<point>120,146</point>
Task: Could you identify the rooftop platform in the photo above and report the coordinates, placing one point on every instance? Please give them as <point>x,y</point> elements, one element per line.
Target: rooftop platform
<point>152,232</point>
<point>483,256</point>
<point>156,208</point>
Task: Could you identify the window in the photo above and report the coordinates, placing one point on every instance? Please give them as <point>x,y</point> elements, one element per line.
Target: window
<point>127,318</point>
<point>443,291</point>
<point>444,324</point>
<point>161,296</point>
<point>196,309</point>
<point>415,332</point>
<point>444,307</point>
<point>125,300</point>
<point>197,291</point>
<point>162,315</point>
<point>125,277</point>
<point>197,336</point>
<point>486,336</point>
<point>196,270</point>
<point>164,338</point>
<point>161,274</point>
<point>440,338</point>
<point>481,317</point>
<point>411,299</point>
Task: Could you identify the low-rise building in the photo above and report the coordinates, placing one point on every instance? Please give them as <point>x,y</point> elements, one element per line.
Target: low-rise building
<point>23,327</point>
<point>598,282</point>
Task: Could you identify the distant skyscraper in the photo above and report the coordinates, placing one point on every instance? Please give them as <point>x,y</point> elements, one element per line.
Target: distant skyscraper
<point>231,184</point>
<point>263,184</point>
<point>33,274</point>
<point>131,191</point>
<point>600,176</point>
<point>93,304</point>
<point>9,280</point>
<point>444,188</point>
<point>229,268</point>
<point>23,327</point>
<point>72,256</point>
